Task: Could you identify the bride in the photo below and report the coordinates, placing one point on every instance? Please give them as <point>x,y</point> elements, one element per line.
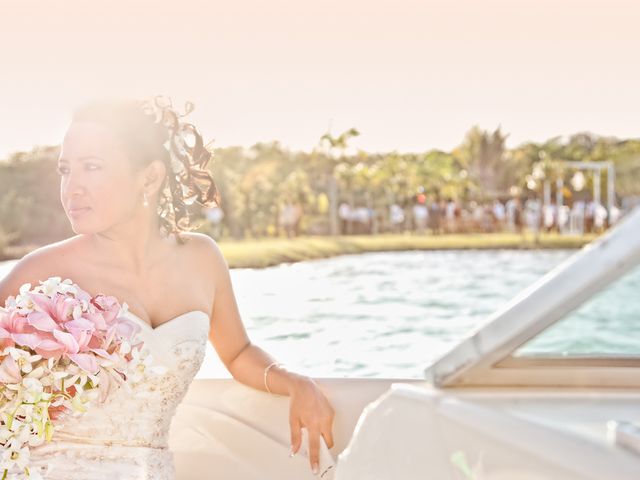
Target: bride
<point>129,172</point>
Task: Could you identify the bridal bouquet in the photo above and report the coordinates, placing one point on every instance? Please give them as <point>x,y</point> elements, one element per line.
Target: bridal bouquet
<point>60,350</point>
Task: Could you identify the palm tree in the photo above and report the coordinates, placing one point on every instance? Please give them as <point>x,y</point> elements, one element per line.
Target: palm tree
<point>483,154</point>
<point>332,144</point>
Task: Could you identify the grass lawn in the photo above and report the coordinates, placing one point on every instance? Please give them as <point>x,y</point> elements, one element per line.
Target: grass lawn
<point>272,251</point>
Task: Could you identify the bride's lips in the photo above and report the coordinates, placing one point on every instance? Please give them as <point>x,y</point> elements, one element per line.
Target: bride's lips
<point>78,211</point>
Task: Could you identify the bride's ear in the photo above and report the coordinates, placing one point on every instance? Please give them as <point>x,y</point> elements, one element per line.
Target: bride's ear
<point>154,174</point>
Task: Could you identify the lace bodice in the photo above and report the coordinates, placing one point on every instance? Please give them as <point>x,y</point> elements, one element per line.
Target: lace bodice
<point>126,437</point>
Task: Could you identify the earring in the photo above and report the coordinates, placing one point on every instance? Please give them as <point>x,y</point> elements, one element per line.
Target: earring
<point>145,202</point>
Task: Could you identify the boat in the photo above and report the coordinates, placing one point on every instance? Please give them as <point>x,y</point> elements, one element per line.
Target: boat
<point>483,411</point>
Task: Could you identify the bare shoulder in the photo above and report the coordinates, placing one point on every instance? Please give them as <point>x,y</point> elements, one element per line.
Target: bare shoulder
<point>205,251</point>
<point>37,265</point>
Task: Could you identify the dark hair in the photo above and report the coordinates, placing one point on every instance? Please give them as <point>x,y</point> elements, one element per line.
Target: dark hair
<point>151,129</point>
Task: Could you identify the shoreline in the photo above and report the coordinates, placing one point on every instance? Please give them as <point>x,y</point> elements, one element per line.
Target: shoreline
<point>268,252</point>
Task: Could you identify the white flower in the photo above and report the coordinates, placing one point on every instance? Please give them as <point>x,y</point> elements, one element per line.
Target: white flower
<point>5,433</point>
<point>37,372</point>
<point>16,425</point>
<point>124,308</point>
<point>22,302</point>
<point>78,375</point>
<point>50,286</point>
<point>33,389</point>
<point>15,454</point>
<point>78,404</point>
<point>17,353</point>
<point>27,433</point>
<point>24,359</point>
<point>125,347</point>
<point>55,285</point>
<point>10,302</point>
<point>24,288</point>
<point>67,286</point>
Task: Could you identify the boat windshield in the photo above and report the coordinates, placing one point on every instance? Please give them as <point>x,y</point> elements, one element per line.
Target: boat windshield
<point>579,325</point>
<point>607,325</point>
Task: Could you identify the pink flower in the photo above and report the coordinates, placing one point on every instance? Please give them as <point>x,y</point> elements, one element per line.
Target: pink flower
<point>73,344</point>
<point>31,340</point>
<point>82,295</point>
<point>67,341</point>
<point>81,324</point>
<point>41,321</point>
<point>126,328</point>
<point>98,320</point>
<point>6,328</point>
<point>64,307</point>
<point>49,348</point>
<point>9,370</point>
<point>85,361</point>
<point>14,329</point>
<point>43,303</point>
<point>108,305</point>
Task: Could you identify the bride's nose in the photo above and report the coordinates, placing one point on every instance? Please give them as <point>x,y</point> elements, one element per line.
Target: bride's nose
<point>72,186</point>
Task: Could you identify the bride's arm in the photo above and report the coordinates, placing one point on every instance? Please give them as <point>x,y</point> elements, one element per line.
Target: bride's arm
<point>244,360</point>
<point>309,407</point>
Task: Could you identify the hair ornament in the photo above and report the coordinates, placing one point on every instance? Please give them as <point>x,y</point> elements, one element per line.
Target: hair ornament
<point>188,179</point>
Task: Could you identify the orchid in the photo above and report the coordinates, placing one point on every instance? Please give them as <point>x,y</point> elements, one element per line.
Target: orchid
<point>61,350</point>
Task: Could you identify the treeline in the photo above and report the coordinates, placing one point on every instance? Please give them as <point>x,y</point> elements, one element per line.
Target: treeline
<point>256,182</point>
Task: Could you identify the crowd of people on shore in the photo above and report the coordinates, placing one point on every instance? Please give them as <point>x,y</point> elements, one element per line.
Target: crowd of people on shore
<point>289,218</point>
<point>437,215</point>
<point>447,215</point>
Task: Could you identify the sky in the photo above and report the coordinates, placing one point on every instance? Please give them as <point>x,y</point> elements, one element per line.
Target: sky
<point>409,75</point>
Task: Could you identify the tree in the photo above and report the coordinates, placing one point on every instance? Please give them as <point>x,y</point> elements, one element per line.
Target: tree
<point>331,144</point>
<point>483,155</point>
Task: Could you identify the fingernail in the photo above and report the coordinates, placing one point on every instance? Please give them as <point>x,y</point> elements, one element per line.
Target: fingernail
<point>315,469</point>
<point>291,454</point>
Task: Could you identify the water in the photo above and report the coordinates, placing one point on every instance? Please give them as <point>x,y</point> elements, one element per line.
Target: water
<point>390,314</point>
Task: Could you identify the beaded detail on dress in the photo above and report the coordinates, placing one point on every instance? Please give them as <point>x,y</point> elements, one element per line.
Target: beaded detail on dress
<point>126,437</point>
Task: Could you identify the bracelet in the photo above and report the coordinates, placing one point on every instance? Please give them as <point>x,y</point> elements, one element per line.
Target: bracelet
<point>266,370</point>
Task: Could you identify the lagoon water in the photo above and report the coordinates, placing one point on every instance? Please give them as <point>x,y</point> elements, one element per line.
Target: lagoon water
<point>389,314</point>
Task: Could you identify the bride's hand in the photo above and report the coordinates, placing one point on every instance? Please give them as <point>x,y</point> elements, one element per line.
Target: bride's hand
<point>311,409</point>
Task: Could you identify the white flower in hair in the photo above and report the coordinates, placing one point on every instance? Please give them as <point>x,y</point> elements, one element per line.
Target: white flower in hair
<point>176,165</point>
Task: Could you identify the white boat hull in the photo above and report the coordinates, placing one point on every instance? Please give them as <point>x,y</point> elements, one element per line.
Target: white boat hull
<point>226,430</point>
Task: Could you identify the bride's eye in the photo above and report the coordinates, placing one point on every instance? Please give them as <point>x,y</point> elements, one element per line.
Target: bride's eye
<point>92,166</point>
<point>62,170</point>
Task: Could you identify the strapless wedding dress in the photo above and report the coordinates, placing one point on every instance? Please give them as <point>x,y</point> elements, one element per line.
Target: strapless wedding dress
<point>126,437</point>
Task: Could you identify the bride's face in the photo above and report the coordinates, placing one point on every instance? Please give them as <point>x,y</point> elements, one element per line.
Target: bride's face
<point>98,186</point>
